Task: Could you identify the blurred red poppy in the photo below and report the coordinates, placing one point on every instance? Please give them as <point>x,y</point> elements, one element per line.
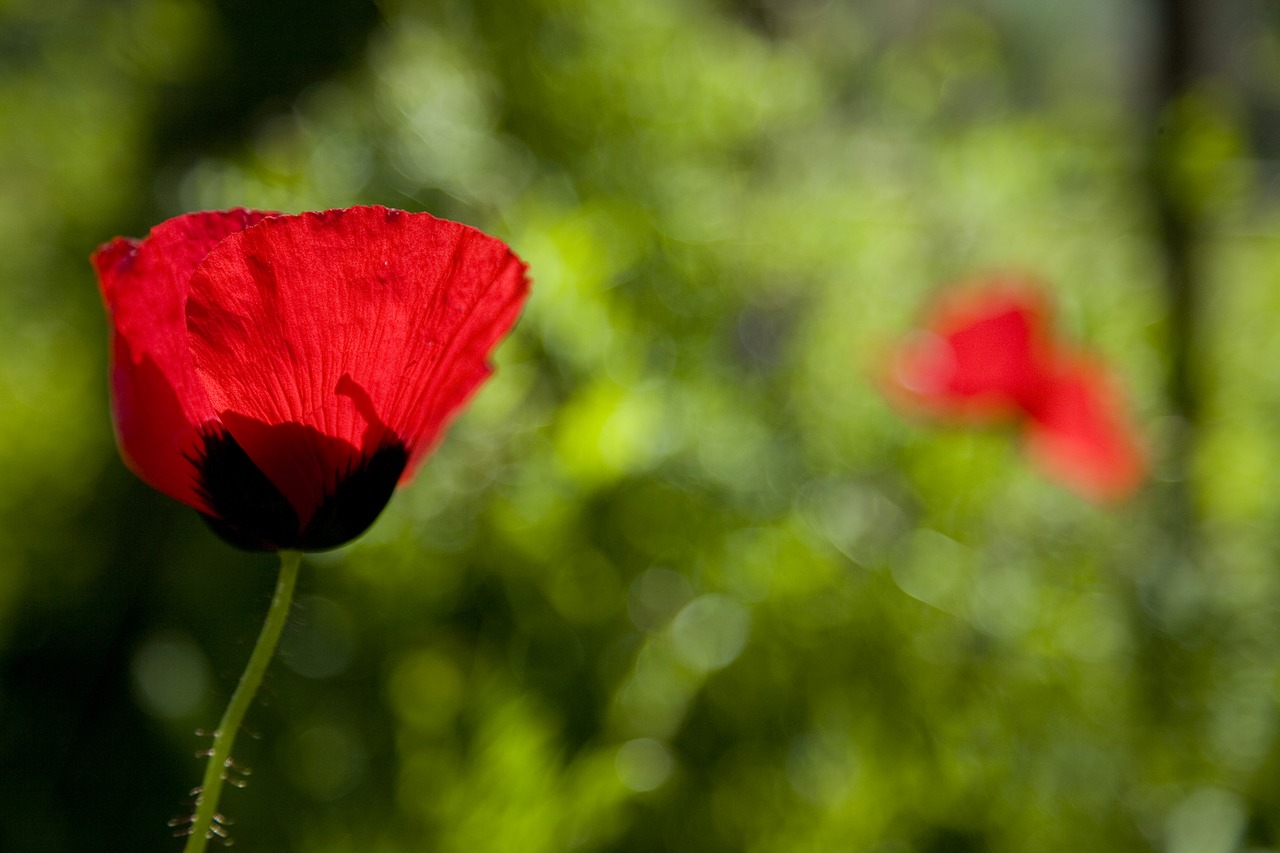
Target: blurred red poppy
<point>282,373</point>
<point>985,354</point>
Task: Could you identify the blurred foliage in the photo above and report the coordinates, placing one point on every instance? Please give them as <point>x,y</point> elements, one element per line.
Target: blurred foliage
<point>678,579</point>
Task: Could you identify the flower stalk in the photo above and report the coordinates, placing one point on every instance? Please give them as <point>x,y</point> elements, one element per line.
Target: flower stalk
<point>207,821</point>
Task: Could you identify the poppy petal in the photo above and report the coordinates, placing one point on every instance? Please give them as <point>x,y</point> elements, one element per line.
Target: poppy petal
<point>981,353</point>
<point>364,328</point>
<point>158,403</point>
<point>247,508</point>
<point>1078,434</point>
<point>244,507</point>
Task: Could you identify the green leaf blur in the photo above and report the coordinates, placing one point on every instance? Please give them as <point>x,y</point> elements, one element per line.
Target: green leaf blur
<point>679,578</point>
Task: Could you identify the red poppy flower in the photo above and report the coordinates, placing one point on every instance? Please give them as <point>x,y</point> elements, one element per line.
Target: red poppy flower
<point>986,355</point>
<point>979,356</point>
<point>281,374</point>
<point>1077,431</point>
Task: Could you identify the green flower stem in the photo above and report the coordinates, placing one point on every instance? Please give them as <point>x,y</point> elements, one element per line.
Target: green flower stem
<point>207,822</point>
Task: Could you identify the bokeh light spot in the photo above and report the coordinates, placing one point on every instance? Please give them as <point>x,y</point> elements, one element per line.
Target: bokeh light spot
<point>170,676</point>
<point>709,633</point>
<point>426,690</point>
<point>644,764</point>
<point>323,761</point>
<point>655,596</point>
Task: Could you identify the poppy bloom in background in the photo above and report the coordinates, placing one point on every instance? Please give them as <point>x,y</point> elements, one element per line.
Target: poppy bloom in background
<point>282,373</point>
<point>986,355</point>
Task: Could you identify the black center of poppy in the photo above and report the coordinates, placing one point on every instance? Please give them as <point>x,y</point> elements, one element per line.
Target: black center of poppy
<point>249,512</point>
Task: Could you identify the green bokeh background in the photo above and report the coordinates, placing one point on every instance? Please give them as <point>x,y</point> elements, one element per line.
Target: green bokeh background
<point>678,579</point>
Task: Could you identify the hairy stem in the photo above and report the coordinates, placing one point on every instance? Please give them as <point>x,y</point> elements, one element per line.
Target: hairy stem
<point>207,822</point>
